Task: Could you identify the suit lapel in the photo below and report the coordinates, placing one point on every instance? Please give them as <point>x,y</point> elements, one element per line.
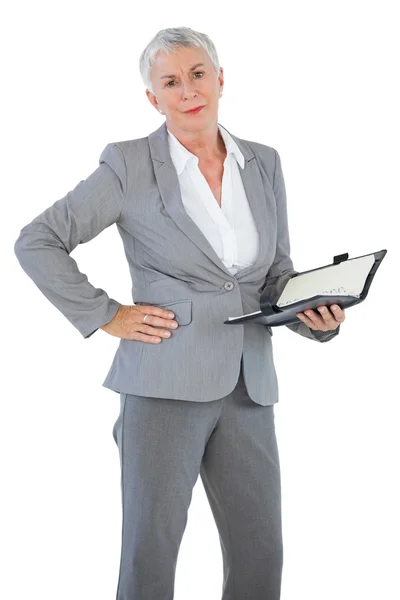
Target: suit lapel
<point>168,183</point>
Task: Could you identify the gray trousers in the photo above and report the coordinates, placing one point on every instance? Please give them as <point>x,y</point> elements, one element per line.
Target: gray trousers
<point>163,446</point>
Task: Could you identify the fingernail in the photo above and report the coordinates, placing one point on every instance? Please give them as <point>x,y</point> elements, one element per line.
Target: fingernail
<point>334,307</point>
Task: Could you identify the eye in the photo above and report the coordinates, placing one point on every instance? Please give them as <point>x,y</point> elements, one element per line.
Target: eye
<point>196,73</point>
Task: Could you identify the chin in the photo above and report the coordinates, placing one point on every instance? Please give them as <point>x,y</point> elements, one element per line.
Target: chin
<point>200,120</point>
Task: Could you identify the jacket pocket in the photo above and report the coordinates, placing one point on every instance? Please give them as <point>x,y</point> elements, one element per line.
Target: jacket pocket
<point>181,308</point>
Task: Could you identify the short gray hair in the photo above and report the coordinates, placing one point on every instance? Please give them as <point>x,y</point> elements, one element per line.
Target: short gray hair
<point>167,40</point>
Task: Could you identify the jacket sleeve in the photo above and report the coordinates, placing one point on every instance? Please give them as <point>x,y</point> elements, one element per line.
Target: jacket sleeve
<point>44,246</point>
<point>282,269</point>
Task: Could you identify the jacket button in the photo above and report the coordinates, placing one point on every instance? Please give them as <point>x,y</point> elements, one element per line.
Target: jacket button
<point>228,285</point>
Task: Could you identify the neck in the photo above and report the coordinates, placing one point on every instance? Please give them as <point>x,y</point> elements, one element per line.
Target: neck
<point>206,144</point>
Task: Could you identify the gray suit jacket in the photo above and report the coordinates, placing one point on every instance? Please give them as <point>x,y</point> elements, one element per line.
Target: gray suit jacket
<point>172,265</point>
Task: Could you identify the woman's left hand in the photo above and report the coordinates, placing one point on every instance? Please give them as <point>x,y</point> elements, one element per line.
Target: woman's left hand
<point>325,319</point>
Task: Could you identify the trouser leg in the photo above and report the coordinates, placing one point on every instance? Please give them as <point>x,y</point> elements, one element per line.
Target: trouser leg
<point>241,475</point>
<point>161,443</point>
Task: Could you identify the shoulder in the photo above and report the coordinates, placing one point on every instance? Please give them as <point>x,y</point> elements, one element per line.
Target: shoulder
<point>266,156</point>
<point>261,149</point>
<point>124,155</point>
<point>126,147</point>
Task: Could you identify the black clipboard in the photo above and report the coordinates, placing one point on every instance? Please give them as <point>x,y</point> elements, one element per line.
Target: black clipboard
<point>273,315</point>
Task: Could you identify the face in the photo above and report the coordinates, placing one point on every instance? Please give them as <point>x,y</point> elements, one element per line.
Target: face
<point>182,81</point>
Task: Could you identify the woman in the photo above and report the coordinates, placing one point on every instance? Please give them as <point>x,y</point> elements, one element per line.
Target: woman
<point>202,215</point>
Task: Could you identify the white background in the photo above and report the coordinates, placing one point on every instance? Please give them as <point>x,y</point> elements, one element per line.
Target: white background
<point>317,81</point>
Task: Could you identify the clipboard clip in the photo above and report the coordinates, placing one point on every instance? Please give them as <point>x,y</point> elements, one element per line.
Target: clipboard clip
<point>268,308</point>
<point>340,258</point>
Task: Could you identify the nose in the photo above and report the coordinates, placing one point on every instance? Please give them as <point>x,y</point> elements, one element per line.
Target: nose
<point>189,89</point>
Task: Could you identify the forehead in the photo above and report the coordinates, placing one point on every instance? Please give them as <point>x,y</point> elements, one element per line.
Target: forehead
<point>180,60</point>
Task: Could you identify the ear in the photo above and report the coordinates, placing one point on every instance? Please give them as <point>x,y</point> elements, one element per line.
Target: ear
<point>221,78</point>
<point>152,99</point>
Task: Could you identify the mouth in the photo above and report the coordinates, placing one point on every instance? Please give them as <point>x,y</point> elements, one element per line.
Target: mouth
<point>194,110</point>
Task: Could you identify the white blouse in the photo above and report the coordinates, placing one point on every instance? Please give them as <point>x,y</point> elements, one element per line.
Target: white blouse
<point>230,229</point>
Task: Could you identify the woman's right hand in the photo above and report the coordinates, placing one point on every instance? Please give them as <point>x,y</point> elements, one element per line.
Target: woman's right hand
<point>128,323</point>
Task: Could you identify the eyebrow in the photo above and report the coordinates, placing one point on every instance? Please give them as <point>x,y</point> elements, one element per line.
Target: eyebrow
<point>191,69</point>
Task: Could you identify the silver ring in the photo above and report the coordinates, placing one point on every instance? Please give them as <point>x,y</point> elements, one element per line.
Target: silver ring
<point>145,317</point>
